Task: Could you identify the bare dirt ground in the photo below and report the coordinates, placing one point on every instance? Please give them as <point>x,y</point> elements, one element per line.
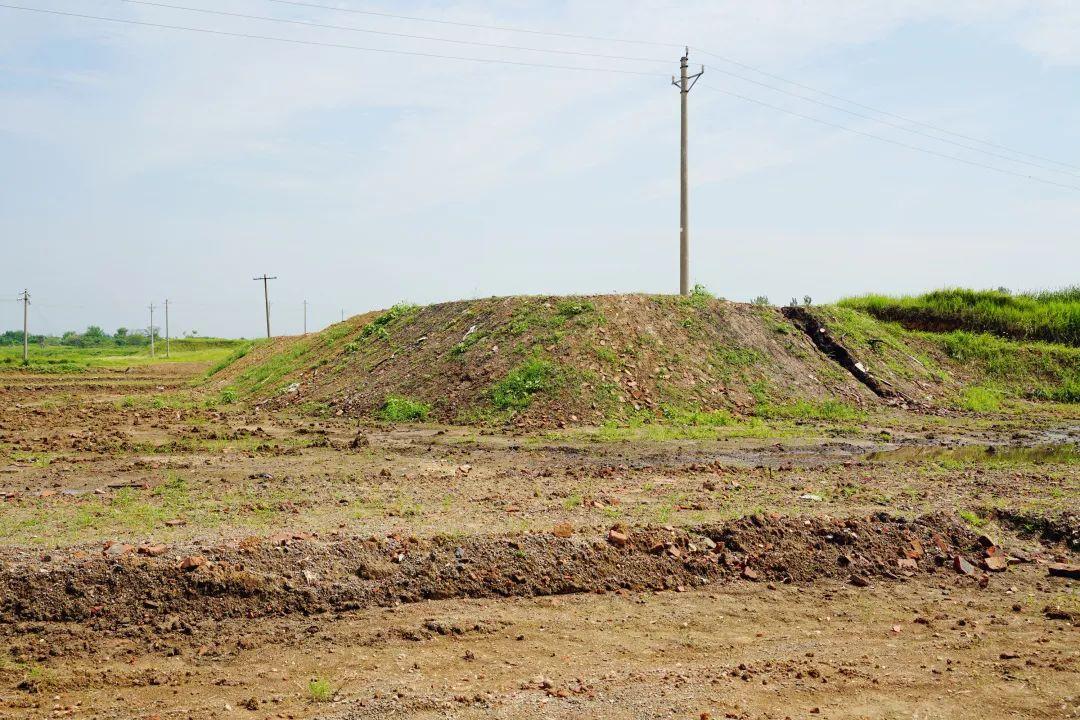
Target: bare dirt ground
<point>161,559</point>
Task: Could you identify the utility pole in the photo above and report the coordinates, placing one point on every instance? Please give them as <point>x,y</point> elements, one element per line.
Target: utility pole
<point>343,315</point>
<point>305,317</point>
<point>25,297</point>
<point>167,348</point>
<point>266,298</point>
<point>151,329</point>
<point>685,83</point>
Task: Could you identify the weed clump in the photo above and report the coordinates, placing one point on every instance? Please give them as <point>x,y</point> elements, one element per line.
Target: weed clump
<point>402,409</point>
<point>516,390</point>
<point>320,690</point>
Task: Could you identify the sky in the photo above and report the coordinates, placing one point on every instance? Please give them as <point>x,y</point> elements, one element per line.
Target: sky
<point>141,163</point>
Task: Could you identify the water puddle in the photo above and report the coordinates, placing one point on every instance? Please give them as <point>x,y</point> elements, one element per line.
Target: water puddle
<point>1035,454</point>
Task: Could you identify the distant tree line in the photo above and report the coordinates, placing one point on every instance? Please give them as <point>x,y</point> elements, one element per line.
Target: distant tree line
<point>93,336</point>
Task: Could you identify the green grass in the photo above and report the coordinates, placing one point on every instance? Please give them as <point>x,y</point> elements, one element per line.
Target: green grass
<point>378,327</point>
<point>808,410</point>
<point>240,351</point>
<point>131,512</point>
<point>320,690</point>
<point>1045,316</point>
<point>1041,370</point>
<point>971,518</point>
<point>402,409</point>
<point>516,390</point>
<point>980,399</point>
<point>62,359</point>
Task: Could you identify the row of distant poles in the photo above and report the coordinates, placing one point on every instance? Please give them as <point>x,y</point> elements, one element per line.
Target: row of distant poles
<point>266,302</point>
<point>24,298</point>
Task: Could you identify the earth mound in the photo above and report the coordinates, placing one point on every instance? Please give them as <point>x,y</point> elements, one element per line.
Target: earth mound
<point>548,361</point>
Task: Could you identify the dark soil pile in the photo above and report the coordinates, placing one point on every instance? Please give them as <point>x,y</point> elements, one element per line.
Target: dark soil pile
<point>290,573</point>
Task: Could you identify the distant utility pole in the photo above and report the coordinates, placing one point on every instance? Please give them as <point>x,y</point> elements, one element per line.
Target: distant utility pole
<point>266,298</point>
<point>25,297</point>
<point>685,83</point>
<point>343,315</point>
<point>305,317</point>
<point>167,348</point>
<point>151,329</point>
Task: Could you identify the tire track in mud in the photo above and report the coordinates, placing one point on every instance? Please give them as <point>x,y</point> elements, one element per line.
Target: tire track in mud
<point>290,573</point>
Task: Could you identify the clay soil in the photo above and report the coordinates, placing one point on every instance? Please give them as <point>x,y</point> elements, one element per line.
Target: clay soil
<point>159,559</point>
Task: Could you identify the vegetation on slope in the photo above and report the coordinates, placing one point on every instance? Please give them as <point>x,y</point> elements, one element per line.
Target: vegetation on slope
<point>552,361</point>
<point>1052,316</point>
<point>971,370</point>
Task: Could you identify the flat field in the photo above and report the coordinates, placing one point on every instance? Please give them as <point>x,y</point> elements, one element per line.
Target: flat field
<point>162,556</point>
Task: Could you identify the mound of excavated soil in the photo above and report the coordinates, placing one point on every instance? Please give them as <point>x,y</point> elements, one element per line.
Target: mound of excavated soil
<point>551,360</point>
<point>289,573</point>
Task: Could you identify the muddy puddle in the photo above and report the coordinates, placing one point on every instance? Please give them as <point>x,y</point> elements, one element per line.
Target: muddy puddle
<point>1036,454</point>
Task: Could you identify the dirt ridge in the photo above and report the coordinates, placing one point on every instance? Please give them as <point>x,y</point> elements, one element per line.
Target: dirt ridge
<point>293,573</point>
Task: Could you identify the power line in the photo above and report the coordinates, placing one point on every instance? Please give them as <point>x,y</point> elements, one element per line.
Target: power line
<point>342,46</point>
<point>476,26</point>
<point>883,112</point>
<point>653,43</point>
<point>890,140</point>
<point>898,126</point>
<point>410,36</point>
<point>293,41</point>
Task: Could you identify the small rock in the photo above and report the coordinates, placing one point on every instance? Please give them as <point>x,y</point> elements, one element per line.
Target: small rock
<point>192,562</point>
<point>996,563</point>
<point>563,530</point>
<point>1064,570</point>
<point>617,538</point>
<point>152,550</point>
<point>749,573</point>
<point>962,566</point>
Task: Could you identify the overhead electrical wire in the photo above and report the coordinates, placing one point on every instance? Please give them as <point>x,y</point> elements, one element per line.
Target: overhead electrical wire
<point>326,26</point>
<point>652,43</point>
<point>898,143</point>
<point>566,67</point>
<point>897,126</point>
<point>885,112</point>
<point>475,26</point>
<point>341,46</point>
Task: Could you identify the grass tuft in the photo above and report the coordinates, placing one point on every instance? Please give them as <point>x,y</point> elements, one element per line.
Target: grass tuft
<point>402,409</point>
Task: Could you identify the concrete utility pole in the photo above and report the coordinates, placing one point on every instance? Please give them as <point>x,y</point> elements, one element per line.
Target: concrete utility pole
<point>266,298</point>
<point>305,317</point>
<point>167,348</point>
<point>151,329</point>
<point>685,83</point>
<point>25,297</point>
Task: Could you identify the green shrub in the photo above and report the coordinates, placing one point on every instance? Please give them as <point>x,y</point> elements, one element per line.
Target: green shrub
<point>516,390</point>
<point>320,690</point>
<point>377,326</point>
<point>402,409</point>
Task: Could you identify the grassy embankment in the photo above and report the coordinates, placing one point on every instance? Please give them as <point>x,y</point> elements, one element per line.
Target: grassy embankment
<point>1025,345</point>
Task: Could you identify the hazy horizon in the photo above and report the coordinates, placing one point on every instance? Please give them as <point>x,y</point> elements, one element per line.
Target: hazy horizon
<point>144,163</point>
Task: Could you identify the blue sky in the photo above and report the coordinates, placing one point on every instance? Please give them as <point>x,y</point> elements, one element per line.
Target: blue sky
<point>143,163</point>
